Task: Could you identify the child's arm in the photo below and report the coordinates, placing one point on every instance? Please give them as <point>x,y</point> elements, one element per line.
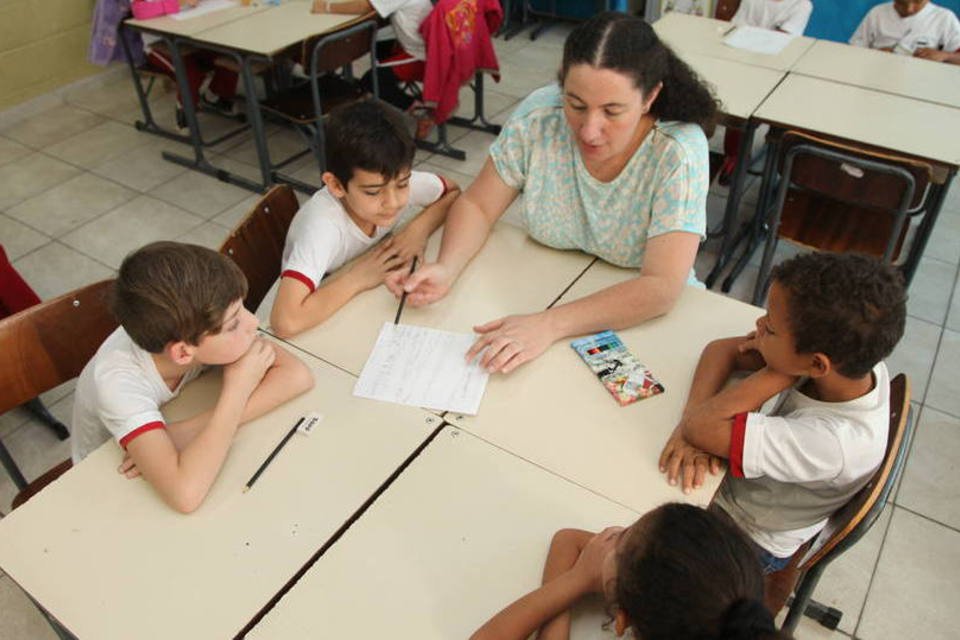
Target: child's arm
<point>681,460</point>
<point>565,548</point>
<point>709,425</point>
<point>345,6</point>
<point>296,308</point>
<point>183,478</point>
<point>937,55</point>
<point>412,239</point>
<point>526,615</point>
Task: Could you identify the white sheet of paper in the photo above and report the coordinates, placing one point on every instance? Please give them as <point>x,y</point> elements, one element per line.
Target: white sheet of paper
<point>205,7</point>
<point>423,367</point>
<point>758,40</point>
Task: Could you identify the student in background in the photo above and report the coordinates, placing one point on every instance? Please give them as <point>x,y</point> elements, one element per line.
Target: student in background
<point>789,16</point>
<point>678,573</point>
<point>369,185</point>
<point>401,59</point>
<point>180,308</point>
<point>911,27</point>
<point>831,319</point>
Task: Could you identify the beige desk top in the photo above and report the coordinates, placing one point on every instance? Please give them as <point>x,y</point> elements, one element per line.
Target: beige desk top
<point>460,534</point>
<point>884,120</point>
<point>169,26</point>
<point>881,71</point>
<point>740,87</point>
<point>109,560</point>
<point>692,34</point>
<point>511,274</point>
<point>555,413</point>
<point>277,29</point>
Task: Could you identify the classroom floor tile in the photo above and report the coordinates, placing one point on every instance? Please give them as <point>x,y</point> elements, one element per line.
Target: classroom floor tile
<point>929,293</point>
<point>943,393</point>
<point>10,150</point>
<point>31,175</point>
<point>944,242</point>
<point>70,204</point>
<point>138,222</point>
<point>55,269</point>
<point>97,145</point>
<point>142,168</point>
<point>197,193</point>
<point>209,234</point>
<point>52,126</point>
<point>915,590</point>
<point>18,238</point>
<point>929,481</point>
<point>21,619</point>
<point>915,353</point>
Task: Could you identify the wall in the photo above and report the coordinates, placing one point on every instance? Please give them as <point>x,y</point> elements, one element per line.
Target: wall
<point>43,45</point>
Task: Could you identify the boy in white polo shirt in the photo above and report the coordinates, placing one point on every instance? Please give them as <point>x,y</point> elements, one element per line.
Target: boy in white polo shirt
<point>369,186</point>
<point>180,308</point>
<point>831,319</point>
<point>789,16</point>
<point>911,27</point>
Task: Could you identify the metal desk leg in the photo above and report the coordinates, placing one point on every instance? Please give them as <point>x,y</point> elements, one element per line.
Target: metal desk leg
<point>255,118</point>
<point>727,242</point>
<point>478,114</point>
<point>12,469</point>
<point>925,229</point>
<point>199,162</point>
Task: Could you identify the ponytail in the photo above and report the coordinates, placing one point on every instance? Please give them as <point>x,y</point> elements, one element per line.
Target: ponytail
<point>629,45</point>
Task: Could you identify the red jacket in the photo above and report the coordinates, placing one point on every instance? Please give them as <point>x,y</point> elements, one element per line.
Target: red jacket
<point>458,45</point>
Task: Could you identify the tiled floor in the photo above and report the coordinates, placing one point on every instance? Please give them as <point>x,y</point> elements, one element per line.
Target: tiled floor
<point>81,187</point>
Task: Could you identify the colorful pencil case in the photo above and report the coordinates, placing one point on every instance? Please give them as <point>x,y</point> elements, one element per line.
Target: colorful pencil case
<point>621,373</point>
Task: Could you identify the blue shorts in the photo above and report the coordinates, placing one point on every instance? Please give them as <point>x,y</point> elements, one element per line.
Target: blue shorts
<point>769,562</point>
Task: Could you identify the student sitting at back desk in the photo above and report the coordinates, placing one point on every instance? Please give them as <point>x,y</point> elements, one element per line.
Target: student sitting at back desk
<point>911,27</point>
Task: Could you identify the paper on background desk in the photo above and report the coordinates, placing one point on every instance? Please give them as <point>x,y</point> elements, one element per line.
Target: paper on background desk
<point>758,40</point>
<point>205,7</point>
<point>423,367</point>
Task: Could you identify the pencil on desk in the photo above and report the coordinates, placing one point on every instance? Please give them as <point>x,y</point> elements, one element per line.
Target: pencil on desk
<point>273,454</point>
<point>403,298</point>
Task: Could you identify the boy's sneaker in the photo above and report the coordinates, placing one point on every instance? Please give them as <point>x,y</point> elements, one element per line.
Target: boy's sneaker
<point>423,115</point>
<point>223,106</point>
<point>181,118</point>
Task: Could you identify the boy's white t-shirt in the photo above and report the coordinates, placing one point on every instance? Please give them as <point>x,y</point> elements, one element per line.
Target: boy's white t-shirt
<point>119,394</point>
<point>933,27</point>
<point>405,18</point>
<point>793,468</point>
<point>790,16</point>
<point>322,237</point>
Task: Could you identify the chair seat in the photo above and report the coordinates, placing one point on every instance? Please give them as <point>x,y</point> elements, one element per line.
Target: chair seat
<point>828,225</point>
<point>258,68</point>
<point>296,104</point>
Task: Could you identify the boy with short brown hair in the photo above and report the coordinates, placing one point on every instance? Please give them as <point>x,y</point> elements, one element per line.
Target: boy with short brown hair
<point>180,308</point>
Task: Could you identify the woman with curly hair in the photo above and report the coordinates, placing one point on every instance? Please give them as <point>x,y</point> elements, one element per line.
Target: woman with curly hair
<point>612,160</point>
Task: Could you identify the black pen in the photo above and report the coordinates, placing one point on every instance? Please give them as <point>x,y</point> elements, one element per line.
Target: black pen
<point>403,298</point>
<point>273,454</point>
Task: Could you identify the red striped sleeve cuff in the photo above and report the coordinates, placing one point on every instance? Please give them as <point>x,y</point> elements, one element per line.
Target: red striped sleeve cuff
<point>737,436</point>
<point>296,275</point>
<point>139,431</point>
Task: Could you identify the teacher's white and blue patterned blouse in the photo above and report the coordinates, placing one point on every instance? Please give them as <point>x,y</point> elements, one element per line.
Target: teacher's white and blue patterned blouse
<point>663,187</point>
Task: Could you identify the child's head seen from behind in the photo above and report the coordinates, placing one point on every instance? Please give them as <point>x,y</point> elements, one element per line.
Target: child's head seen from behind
<point>684,573</point>
<point>369,154</point>
<point>186,301</point>
<point>849,308</point>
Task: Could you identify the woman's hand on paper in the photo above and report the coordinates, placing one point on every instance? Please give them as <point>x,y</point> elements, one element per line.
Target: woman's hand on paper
<point>509,342</point>
<point>426,285</point>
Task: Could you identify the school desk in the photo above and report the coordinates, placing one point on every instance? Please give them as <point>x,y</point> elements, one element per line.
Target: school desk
<point>694,34</point>
<point>554,411</point>
<point>898,124</point>
<point>459,535</point>
<point>881,71</point>
<point>108,559</point>
<point>510,274</point>
<point>256,36</point>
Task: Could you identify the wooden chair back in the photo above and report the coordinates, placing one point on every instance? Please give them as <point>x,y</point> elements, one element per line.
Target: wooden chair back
<point>852,521</point>
<point>47,344</point>
<point>256,244</point>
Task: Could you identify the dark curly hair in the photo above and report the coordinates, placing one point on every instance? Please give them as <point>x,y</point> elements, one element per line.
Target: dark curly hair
<point>368,135</point>
<point>629,45</point>
<point>852,308</point>
<point>685,573</point>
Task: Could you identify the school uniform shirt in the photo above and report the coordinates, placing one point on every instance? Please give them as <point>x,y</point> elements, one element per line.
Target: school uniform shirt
<point>119,394</point>
<point>405,18</point>
<point>932,27</point>
<point>790,16</point>
<point>790,470</point>
<point>662,188</point>
<point>322,237</point>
